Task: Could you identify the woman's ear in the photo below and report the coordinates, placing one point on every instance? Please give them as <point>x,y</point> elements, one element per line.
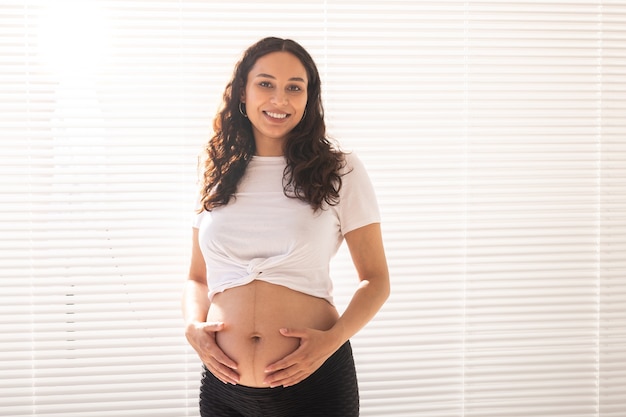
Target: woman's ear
<point>242,98</point>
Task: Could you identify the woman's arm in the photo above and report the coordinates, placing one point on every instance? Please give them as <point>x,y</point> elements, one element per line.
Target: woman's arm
<point>368,254</point>
<point>199,333</point>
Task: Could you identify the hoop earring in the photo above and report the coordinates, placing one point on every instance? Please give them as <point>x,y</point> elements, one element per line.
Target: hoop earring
<point>241,110</point>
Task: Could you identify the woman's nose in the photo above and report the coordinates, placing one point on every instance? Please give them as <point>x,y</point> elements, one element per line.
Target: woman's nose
<point>279,98</point>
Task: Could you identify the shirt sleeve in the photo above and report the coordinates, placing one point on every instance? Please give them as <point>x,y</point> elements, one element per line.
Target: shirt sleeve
<point>358,205</point>
<point>197,217</point>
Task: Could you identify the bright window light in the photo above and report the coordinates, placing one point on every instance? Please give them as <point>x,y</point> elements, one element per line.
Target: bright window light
<point>74,37</point>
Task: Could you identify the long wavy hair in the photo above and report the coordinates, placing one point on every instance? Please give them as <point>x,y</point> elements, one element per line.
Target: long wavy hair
<point>312,173</point>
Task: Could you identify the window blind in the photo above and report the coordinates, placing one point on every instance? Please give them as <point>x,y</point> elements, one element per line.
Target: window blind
<point>494,133</point>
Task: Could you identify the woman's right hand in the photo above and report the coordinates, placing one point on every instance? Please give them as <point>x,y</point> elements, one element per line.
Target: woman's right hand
<point>201,336</point>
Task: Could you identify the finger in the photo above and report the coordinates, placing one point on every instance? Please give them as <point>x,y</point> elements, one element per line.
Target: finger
<point>215,326</point>
<point>281,374</point>
<point>297,357</point>
<point>225,361</point>
<point>227,375</point>
<point>223,373</point>
<point>216,374</point>
<point>296,379</point>
<point>286,378</point>
<point>284,363</point>
<point>299,333</point>
<point>216,357</point>
<point>222,377</point>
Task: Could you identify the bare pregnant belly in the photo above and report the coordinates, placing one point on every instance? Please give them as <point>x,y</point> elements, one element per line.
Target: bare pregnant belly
<point>253,315</point>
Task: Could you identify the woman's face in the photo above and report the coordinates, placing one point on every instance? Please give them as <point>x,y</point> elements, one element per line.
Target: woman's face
<point>275,97</point>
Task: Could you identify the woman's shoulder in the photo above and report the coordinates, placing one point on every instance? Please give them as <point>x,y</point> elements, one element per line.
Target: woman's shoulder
<point>351,163</point>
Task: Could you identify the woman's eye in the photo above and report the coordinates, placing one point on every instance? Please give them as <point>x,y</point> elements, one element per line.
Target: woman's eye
<point>265,84</point>
<point>295,88</point>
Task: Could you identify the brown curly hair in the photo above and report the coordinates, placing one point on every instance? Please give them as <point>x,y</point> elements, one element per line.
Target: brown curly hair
<point>313,166</point>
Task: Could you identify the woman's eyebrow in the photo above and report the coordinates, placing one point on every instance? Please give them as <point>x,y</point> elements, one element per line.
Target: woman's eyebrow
<point>273,78</point>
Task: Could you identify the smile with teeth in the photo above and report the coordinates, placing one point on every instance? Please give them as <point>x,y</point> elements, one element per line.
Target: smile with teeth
<point>276,115</point>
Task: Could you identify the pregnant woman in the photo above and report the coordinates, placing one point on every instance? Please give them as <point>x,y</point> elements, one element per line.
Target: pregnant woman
<point>278,198</point>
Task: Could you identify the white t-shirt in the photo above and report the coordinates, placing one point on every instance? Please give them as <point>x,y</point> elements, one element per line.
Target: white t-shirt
<point>262,234</point>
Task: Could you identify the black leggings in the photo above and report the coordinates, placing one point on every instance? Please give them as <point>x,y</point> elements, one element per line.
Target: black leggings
<point>331,391</point>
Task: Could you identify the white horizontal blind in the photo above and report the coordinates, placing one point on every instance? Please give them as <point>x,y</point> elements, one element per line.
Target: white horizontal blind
<point>533,262</point>
<point>612,218</point>
<point>97,164</point>
<point>495,134</point>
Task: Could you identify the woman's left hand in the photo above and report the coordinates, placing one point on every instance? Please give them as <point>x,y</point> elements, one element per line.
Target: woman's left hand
<point>315,347</point>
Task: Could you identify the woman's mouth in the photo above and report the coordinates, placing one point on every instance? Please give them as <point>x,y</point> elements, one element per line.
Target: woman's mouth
<point>276,115</point>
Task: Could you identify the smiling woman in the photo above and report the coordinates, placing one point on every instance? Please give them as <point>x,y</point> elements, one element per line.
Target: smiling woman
<point>258,303</point>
